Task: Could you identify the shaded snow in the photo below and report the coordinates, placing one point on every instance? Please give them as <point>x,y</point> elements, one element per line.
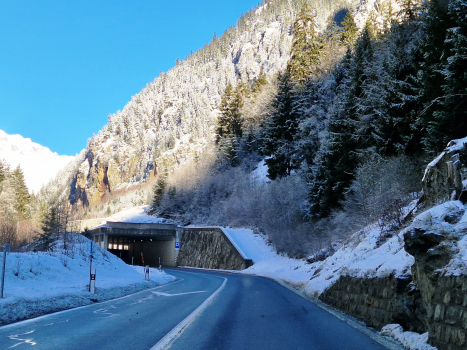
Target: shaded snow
<point>39,164</point>
<point>409,340</point>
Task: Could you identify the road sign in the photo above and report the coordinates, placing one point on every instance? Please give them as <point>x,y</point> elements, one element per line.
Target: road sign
<point>177,245</point>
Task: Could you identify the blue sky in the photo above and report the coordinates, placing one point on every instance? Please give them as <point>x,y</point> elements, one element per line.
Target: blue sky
<point>66,65</point>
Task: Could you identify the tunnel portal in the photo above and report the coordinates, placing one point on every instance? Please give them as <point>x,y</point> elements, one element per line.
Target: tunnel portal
<point>150,244</point>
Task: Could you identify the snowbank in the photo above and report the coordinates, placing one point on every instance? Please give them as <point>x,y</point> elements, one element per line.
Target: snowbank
<point>409,340</point>
<point>38,283</point>
<point>366,256</point>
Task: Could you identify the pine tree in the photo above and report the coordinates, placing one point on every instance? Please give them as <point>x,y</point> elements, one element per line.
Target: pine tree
<point>433,52</point>
<point>22,197</point>
<point>3,174</point>
<point>50,227</point>
<point>158,192</point>
<point>230,122</point>
<point>306,48</point>
<point>332,35</point>
<point>334,167</point>
<point>280,130</point>
<point>2,171</point>
<point>450,120</point>
<point>350,32</point>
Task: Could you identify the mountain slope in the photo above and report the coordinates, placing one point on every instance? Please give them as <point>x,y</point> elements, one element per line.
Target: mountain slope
<point>173,118</point>
<point>39,164</point>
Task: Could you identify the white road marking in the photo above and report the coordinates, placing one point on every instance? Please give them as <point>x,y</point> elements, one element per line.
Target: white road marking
<point>36,319</point>
<point>23,341</point>
<point>172,295</point>
<point>50,324</point>
<point>178,330</point>
<point>102,312</point>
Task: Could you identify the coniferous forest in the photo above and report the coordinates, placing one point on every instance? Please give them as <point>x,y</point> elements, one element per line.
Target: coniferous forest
<point>342,113</point>
<point>345,141</point>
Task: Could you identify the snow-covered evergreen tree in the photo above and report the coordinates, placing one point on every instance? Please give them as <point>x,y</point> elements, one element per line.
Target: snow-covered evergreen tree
<point>280,131</point>
<point>22,197</point>
<point>306,47</point>
<point>450,120</point>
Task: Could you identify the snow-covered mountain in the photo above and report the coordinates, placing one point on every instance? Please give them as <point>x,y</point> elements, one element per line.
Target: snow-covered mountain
<point>174,117</point>
<point>39,164</point>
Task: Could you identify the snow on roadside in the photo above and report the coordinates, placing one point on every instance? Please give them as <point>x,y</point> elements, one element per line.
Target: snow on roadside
<point>409,340</point>
<point>38,283</point>
<point>367,257</point>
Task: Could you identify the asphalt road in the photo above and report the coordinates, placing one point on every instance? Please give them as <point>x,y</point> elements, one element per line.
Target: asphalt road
<point>202,310</point>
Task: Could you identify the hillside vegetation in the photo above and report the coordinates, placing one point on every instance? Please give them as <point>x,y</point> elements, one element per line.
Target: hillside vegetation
<point>342,102</point>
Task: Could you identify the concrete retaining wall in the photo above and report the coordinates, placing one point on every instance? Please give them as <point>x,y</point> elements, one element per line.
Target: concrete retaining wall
<point>209,247</point>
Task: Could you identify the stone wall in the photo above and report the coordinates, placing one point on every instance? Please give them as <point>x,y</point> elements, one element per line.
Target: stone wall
<point>444,297</point>
<point>209,248</point>
<point>378,301</point>
<point>447,314</point>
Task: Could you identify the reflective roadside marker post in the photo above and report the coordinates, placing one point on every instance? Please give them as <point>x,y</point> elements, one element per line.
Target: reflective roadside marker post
<point>90,269</point>
<point>160,266</point>
<point>146,273</point>
<point>6,249</point>
<point>92,284</point>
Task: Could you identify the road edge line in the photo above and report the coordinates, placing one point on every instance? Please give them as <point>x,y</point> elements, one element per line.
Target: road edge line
<point>178,329</point>
<point>389,343</point>
<point>37,318</point>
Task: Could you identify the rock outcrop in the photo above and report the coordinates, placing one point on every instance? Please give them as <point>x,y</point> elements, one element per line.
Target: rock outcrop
<point>444,176</point>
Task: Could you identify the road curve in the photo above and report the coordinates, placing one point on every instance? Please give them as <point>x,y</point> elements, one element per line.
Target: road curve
<point>201,310</point>
<point>258,313</point>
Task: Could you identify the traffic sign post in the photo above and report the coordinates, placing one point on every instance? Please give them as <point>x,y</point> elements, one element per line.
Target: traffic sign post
<point>90,269</point>
<point>92,283</point>
<point>6,249</point>
<point>146,272</point>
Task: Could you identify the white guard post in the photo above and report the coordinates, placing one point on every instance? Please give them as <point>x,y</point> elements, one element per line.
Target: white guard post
<point>146,273</point>
<point>92,288</point>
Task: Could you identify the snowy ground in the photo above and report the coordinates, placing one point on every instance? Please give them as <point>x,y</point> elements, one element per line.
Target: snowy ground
<point>135,215</point>
<point>38,283</point>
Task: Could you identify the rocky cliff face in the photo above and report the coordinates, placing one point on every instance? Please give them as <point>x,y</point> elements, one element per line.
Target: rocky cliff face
<point>445,176</point>
<point>173,118</point>
<point>436,239</point>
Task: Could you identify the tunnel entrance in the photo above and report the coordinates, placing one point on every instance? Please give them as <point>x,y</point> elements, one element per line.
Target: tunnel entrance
<point>140,244</point>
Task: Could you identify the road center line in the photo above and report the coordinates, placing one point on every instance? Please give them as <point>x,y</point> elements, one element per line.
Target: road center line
<point>178,330</point>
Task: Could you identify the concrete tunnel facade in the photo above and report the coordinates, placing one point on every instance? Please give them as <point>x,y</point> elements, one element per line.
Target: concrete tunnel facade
<point>135,242</point>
